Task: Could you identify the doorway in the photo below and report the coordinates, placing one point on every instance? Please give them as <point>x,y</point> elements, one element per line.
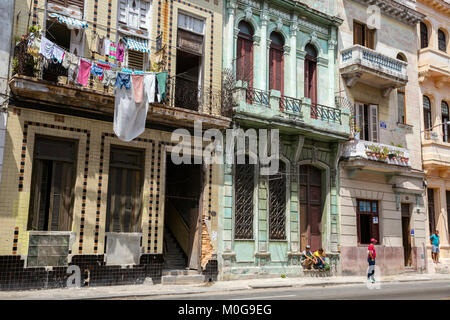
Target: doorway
<point>188,91</point>
<point>182,218</point>
<point>310,207</point>
<point>406,234</point>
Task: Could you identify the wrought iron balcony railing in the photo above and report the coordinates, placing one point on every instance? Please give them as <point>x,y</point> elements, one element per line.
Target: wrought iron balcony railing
<point>325,113</point>
<point>185,93</point>
<point>289,104</point>
<point>256,96</point>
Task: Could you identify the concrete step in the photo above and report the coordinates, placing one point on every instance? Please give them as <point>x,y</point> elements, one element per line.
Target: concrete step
<point>317,273</point>
<point>183,279</point>
<point>179,272</point>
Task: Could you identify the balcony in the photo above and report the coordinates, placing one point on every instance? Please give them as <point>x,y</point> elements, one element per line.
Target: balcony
<point>436,157</point>
<point>361,64</point>
<point>434,64</point>
<point>184,103</point>
<point>373,156</point>
<point>269,108</point>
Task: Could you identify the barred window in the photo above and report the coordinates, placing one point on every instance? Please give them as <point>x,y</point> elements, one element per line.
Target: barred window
<point>244,190</point>
<point>277,204</point>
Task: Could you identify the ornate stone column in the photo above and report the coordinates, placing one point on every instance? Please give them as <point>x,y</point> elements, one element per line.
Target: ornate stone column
<point>262,66</point>
<point>331,68</point>
<point>229,34</point>
<point>292,91</point>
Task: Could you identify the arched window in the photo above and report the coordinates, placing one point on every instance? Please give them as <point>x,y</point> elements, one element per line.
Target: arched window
<point>423,35</point>
<point>243,193</point>
<point>277,204</point>
<point>442,41</point>
<point>244,53</point>
<point>276,62</point>
<point>401,56</point>
<point>427,113</point>
<point>311,77</point>
<point>445,118</point>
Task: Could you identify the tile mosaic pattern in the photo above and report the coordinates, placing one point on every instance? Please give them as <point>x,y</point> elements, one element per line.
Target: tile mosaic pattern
<point>94,272</point>
<point>27,124</point>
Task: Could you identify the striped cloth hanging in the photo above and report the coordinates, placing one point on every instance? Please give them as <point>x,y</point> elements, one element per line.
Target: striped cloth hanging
<point>70,22</point>
<point>137,44</point>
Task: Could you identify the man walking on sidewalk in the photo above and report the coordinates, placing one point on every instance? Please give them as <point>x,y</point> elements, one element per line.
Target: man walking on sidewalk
<point>434,239</point>
<point>371,260</point>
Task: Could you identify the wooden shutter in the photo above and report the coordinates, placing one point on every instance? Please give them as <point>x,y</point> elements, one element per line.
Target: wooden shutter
<point>144,15</point>
<point>359,118</point>
<point>124,207</point>
<point>244,62</point>
<point>358,31</point>
<point>276,70</point>
<point>373,123</point>
<point>78,3</point>
<point>133,13</point>
<point>136,60</point>
<point>370,38</point>
<point>123,11</point>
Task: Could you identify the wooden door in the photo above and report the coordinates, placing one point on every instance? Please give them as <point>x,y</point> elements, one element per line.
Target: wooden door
<point>406,234</point>
<point>310,207</point>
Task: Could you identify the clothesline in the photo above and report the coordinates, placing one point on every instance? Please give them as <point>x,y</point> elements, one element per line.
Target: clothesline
<point>104,27</point>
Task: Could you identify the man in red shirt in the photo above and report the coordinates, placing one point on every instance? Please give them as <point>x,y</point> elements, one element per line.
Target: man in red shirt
<point>371,260</point>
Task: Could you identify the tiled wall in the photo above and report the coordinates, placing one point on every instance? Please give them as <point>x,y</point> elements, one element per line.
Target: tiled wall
<point>95,139</point>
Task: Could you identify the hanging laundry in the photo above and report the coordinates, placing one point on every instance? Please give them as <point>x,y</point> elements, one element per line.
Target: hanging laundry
<point>129,116</point>
<point>83,72</point>
<point>161,78</point>
<point>104,67</point>
<point>127,70</point>
<point>96,71</point>
<point>149,87</point>
<point>123,80</point>
<point>120,52</point>
<point>107,46</point>
<point>113,51</point>
<point>46,49</point>
<point>109,78</point>
<point>138,87</point>
<point>70,62</point>
<point>34,46</point>
<point>100,49</point>
<point>57,54</point>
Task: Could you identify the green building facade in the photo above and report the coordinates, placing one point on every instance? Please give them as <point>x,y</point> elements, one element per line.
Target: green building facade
<point>283,57</point>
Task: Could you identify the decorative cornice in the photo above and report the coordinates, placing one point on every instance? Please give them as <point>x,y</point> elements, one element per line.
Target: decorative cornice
<point>396,10</point>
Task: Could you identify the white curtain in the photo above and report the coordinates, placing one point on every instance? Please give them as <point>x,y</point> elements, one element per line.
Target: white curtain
<point>190,23</point>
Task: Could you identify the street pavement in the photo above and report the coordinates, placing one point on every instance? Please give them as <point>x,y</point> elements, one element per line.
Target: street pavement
<point>429,290</point>
<point>416,286</point>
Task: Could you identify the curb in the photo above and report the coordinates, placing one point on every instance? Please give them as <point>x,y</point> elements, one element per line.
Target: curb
<point>218,290</point>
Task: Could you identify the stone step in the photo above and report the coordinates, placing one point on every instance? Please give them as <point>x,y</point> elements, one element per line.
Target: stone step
<point>179,272</point>
<point>317,273</point>
<point>183,279</point>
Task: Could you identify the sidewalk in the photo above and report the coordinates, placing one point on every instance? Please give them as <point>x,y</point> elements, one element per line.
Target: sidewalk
<point>219,286</point>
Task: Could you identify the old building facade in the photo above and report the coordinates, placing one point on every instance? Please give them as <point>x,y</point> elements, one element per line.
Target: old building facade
<point>73,193</point>
<point>381,178</point>
<point>282,57</point>
<point>434,78</point>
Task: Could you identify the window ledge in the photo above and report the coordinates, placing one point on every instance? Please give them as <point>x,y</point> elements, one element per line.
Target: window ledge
<point>405,125</point>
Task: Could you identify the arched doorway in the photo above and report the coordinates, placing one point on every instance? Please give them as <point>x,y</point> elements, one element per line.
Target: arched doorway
<point>310,194</point>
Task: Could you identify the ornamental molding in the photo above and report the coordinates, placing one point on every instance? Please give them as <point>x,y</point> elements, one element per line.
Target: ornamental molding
<point>312,26</point>
<point>396,10</point>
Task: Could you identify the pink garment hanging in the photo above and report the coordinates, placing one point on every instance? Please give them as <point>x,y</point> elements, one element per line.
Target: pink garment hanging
<point>138,87</point>
<point>120,52</point>
<point>83,72</point>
